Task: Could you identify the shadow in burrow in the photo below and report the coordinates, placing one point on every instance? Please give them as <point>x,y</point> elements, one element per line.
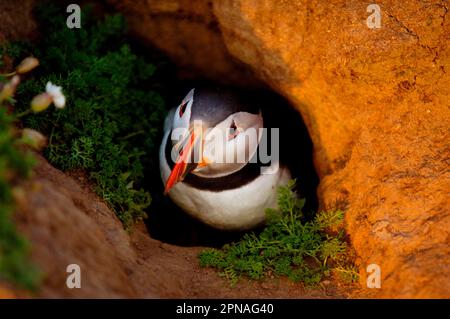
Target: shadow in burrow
<point>168,223</point>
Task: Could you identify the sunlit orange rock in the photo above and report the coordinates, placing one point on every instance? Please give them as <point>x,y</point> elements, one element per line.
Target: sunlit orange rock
<point>375,101</point>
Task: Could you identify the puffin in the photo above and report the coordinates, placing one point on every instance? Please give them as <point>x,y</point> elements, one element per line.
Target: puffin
<point>210,159</point>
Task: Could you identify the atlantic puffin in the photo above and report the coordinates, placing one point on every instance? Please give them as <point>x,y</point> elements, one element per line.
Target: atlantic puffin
<point>211,168</point>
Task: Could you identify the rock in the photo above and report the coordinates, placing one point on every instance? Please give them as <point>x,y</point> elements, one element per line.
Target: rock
<point>375,102</point>
<point>55,218</point>
<point>188,32</point>
<point>17,20</point>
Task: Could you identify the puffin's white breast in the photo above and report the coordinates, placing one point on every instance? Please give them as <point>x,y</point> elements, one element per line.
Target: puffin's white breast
<point>234,209</point>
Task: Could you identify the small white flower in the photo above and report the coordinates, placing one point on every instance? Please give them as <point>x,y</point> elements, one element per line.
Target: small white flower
<point>56,93</point>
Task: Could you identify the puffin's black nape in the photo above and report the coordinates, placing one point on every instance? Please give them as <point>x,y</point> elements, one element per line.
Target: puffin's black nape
<point>215,103</point>
<point>170,224</point>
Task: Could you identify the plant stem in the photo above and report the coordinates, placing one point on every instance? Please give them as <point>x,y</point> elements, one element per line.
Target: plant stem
<point>24,113</point>
<point>131,135</point>
<point>8,74</point>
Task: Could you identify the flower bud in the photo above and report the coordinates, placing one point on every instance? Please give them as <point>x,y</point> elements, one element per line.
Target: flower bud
<point>9,88</point>
<point>40,102</point>
<point>34,139</point>
<point>27,65</point>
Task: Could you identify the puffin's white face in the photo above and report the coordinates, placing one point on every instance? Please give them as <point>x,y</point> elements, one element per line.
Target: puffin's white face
<point>229,145</point>
<point>211,151</point>
<point>183,112</point>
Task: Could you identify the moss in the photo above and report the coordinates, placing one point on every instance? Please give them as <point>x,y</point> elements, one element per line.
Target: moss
<point>287,246</point>
<point>110,125</point>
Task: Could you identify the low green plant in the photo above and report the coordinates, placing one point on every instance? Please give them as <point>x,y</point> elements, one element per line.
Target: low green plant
<point>113,115</point>
<point>15,163</point>
<point>287,246</point>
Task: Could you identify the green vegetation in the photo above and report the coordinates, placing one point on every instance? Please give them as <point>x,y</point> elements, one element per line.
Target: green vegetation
<point>287,246</point>
<point>113,114</point>
<point>108,127</point>
<point>15,163</point>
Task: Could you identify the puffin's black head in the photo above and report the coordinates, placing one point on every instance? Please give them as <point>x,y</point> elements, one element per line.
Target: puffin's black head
<point>213,104</point>
<point>215,131</point>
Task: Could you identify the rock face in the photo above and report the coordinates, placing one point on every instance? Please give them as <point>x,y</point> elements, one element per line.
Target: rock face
<point>185,30</point>
<point>375,102</point>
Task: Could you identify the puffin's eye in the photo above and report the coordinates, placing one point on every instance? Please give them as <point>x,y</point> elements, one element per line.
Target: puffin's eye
<point>233,126</point>
<point>183,108</point>
<point>233,131</point>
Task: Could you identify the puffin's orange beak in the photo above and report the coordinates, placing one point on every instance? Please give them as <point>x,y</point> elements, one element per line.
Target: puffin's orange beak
<point>179,170</point>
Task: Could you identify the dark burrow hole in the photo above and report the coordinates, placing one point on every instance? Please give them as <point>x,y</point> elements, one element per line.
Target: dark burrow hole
<point>168,223</point>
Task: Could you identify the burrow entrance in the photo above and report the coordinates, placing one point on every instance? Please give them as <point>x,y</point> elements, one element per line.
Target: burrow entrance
<point>168,223</point>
